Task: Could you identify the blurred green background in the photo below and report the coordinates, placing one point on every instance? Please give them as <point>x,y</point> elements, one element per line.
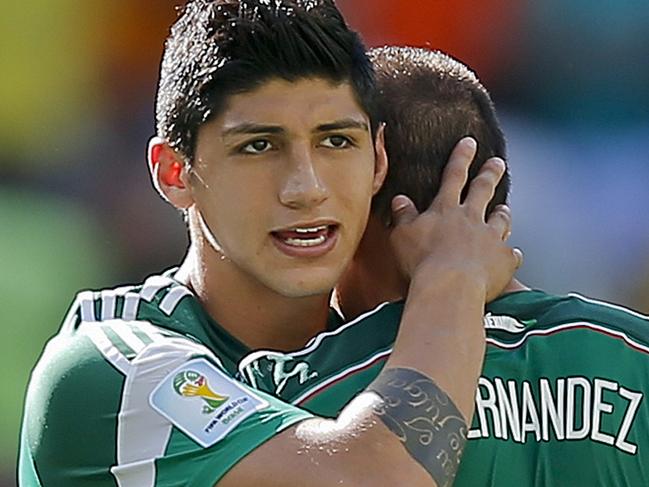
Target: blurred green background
<point>570,80</point>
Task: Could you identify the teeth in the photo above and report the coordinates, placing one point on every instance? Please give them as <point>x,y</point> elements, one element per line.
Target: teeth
<point>310,230</point>
<point>305,242</point>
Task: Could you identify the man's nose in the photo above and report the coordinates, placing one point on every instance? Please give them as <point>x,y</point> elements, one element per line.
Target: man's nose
<point>302,186</point>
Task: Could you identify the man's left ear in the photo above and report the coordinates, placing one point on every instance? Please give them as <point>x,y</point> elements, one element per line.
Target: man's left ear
<point>380,160</point>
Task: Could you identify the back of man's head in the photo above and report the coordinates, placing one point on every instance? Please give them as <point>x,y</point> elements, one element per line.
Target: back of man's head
<point>429,101</point>
<point>218,48</point>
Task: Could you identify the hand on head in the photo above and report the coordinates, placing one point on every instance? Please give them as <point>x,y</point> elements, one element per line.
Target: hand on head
<point>454,235</point>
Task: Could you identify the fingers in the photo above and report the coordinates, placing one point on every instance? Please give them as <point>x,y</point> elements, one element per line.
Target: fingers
<point>483,187</point>
<point>403,210</point>
<point>500,221</point>
<point>456,173</point>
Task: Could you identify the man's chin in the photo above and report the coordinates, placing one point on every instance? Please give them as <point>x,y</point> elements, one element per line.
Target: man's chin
<point>306,286</point>
<point>297,293</point>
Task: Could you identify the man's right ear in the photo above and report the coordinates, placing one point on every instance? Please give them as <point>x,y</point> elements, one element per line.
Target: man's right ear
<point>169,173</point>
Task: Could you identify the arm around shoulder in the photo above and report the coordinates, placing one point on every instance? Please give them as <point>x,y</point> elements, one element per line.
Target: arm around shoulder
<point>356,449</point>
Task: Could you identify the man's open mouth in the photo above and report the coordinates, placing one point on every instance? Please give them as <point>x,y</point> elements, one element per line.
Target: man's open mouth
<point>308,241</point>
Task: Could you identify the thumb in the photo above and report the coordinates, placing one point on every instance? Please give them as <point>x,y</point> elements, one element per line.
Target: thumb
<point>403,210</point>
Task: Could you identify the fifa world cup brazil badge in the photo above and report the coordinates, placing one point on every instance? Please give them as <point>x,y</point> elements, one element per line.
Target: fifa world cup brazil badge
<point>190,383</point>
<point>203,402</point>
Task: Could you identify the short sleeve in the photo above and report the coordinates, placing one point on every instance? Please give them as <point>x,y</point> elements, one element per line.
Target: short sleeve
<point>105,410</point>
<point>216,422</point>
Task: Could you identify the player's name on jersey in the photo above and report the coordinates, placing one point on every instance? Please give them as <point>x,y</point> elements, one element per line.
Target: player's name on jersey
<point>566,409</point>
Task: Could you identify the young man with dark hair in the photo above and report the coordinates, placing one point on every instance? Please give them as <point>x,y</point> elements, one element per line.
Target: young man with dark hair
<point>267,143</point>
<point>561,399</point>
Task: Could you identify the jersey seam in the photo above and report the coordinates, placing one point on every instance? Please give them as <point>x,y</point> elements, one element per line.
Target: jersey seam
<point>569,326</point>
<point>344,374</point>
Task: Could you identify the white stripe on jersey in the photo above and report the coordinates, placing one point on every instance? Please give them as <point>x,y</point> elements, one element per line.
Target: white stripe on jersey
<point>87,303</point>
<point>143,433</point>
<point>173,297</point>
<point>341,374</point>
<point>105,346</point>
<point>152,285</point>
<point>131,305</point>
<point>125,332</point>
<point>567,326</point>
<point>153,332</point>
<point>108,304</point>
<point>83,307</point>
<point>317,340</point>
<point>71,318</point>
<point>609,305</point>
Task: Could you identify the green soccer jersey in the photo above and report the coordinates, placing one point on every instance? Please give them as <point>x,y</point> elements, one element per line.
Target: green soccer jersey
<point>560,401</point>
<point>138,389</point>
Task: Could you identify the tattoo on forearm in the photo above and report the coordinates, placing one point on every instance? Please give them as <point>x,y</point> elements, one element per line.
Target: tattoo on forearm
<point>432,429</point>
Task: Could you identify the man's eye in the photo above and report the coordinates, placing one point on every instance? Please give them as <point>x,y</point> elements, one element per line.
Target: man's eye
<point>257,147</point>
<point>337,142</point>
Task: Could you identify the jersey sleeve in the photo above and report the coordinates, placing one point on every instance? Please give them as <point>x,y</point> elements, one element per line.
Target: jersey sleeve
<point>117,403</point>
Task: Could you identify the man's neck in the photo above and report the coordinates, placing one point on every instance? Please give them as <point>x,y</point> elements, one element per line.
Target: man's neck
<point>251,312</point>
<point>356,295</point>
<point>372,277</point>
<point>513,286</point>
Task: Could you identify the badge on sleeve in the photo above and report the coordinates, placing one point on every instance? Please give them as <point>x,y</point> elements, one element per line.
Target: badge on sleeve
<point>203,402</point>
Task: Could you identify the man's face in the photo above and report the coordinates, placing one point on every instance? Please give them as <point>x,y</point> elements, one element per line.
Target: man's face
<point>284,178</point>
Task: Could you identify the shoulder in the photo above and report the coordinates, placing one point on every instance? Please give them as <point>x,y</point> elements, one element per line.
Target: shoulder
<point>384,314</point>
<point>371,331</point>
<point>90,378</point>
<point>535,313</point>
<point>125,325</point>
<point>156,299</point>
<point>114,347</point>
<point>152,400</point>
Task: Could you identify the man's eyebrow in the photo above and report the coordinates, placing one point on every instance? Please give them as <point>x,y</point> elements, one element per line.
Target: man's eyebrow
<point>346,123</point>
<point>248,128</point>
<point>251,129</point>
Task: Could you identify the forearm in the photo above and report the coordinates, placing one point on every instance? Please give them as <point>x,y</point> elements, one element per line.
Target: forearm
<point>402,430</point>
<point>442,335</point>
<point>356,449</point>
